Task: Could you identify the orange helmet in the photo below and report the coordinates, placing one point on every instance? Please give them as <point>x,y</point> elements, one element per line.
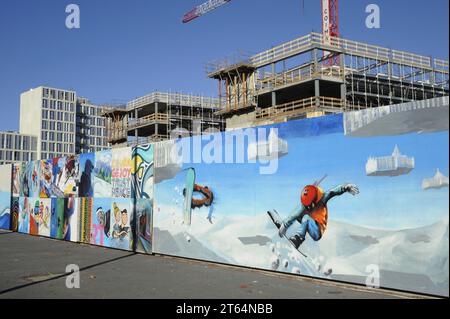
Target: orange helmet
<point>310,197</point>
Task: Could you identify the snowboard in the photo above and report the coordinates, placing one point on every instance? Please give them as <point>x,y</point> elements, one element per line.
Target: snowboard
<point>275,218</point>
<point>188,193</point>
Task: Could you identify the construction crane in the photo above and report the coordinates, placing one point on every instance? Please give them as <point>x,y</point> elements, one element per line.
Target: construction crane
<point>203,9</point>
<point>330,20</point>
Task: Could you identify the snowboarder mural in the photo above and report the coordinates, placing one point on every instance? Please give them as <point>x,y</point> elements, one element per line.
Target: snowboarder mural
<point>311,213</point>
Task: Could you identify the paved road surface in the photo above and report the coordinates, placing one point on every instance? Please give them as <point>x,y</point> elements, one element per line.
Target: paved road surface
<point>34,267</point>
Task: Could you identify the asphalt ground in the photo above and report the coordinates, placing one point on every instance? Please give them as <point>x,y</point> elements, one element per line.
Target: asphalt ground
<point>35,267</point>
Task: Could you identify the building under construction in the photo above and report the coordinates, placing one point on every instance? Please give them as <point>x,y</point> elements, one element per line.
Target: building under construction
<point>310,76</point>
<point>158,116</point>
<point>317,75</point>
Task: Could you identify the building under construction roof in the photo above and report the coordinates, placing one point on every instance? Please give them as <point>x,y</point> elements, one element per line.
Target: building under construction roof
<point>157,116</point>
<point>313,76</point>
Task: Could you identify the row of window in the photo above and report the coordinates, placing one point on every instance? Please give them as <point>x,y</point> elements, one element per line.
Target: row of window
<point>89,110</point>
<point>10,141</point>
<point>93,141</point>
<point>97,131</point>
<point>91,149</point>
<point>57,147</point>
<point>60,116</point>
<point>58,126</point>
<point>98,121</point>
<point>58,94</point>
<point>8,156</point>
<point>57,136</point>
<point>58,105</point>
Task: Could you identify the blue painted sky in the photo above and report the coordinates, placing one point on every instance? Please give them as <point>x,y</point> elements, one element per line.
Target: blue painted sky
<point>127,49</point>
<point>384,202</point>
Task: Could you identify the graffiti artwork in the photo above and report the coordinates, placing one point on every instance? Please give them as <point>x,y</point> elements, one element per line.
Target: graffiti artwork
<point>331,234</point>
<point>65,176</point>
<point>57,218</point>
<point>121,173</point>
<point>16,168</point>
<point>24,215</point>
<point>5,196</point>
<point>85,219</point>
<point>102,174</point>
<point>143,225</point>
<point>46,175</point>
<point>142,171</point>
<point>86,164</point>
<point>100,222</point>
<point>33,178</point>
<point>15,214</point>
<point>120,229</point>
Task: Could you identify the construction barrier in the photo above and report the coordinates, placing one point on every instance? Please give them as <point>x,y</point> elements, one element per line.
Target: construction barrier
<point>216,197</point>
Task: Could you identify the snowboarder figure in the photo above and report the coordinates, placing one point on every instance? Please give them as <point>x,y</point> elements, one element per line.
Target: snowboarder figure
<point>312,213</point>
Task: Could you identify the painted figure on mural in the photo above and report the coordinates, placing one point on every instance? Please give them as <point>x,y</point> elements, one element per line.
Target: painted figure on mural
<point>312,212</point>
<point>120,228</point>
<point>69,210</point>
<point>85,186</point>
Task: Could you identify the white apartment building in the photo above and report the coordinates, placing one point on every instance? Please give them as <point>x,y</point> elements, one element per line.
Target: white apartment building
<point>62,123</point>
<point>15,147</point>
<point>50,115</point>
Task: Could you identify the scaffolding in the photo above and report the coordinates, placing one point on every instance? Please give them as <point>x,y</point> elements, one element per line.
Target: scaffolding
<point>160,116</point>
<point>295,80</point>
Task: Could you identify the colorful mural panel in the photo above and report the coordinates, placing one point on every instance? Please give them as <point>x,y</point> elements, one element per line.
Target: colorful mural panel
<point>57,218</point>
<point>86,185</point>
<point>120,228</point>
<point>5,196</point>
<point>65,176</point>
<point>121,173</point>
<point>15,209</point>
<point>338,204</point>
<point>24,215</point>
<point>100,222</point>
<point>86,206</point>
<point>102,174</point>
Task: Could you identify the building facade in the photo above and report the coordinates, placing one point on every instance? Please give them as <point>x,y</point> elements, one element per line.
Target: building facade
<point>50,115</point>
<point>90,128</point>
<point>309,77</point>
<point>15,147</point>
<point>159,116</point>
<point>62,123</point>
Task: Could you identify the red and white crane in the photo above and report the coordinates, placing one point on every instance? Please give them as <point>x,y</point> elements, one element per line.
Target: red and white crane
<point>203,9</point>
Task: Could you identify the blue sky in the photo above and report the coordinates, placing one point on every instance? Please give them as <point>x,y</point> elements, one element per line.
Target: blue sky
<point>384,202</point>
<point>127,49</point>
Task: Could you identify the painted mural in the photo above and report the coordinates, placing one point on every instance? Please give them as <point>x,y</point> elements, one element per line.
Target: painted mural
<point>86,206</point>
<point>5,196</point>
<point>15,214</point>
<point>46,178</point>
<point>102,174</point>
<point>86,185</point>
<point>120,228</point>
<point>121,173</point>
<point>100,222</point>
<point>16,169</point>
<point>65,176</point>
<point>57,218</point>
<point>336,197</point>
<point>24,215</point>
<point>142,193</point>
<point>309,199</point>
